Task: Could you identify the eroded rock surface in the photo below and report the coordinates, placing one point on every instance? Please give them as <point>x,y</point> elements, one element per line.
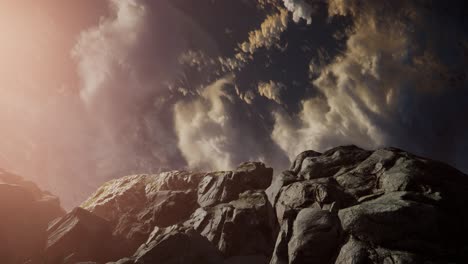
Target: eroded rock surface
<point>135,204</point>
<point>228,209</point>
<point>387,206</point>
<point>345,206</point>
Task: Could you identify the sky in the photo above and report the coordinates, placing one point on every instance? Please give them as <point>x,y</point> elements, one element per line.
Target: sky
<point>94,90</point>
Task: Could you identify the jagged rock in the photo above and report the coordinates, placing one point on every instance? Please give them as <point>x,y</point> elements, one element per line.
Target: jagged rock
<point>223,187</point>
<point>25,211</point>
<point>82,236</point>
<point>296,166</point>
<point>242,227</point>
<point>347,205</point>
<point>394,207</point>
<point>175,245</point>
<point>322,193</point>
<point>134,205</point>
<point>337,160</point>
<point>408,221</point>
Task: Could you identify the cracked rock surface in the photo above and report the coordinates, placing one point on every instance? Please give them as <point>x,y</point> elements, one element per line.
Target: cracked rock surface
<point>344,206</point>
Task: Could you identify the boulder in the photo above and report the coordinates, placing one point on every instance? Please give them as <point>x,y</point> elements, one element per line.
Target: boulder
<point>315,238</point>
<point>320,193</point>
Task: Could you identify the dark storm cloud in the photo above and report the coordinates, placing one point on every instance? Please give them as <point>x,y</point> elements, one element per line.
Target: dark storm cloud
<point>399,82</point>
<point>191,84</point>
<point>148,118</point>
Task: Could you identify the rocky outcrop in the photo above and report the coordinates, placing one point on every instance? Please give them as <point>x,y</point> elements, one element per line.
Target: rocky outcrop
<point>242,227</point>
<point>229,209</point>
<point>350,205</point>
<point>134,205</point>
<point>25,211</point>
<point>345,206</point>
<point>82,236</point>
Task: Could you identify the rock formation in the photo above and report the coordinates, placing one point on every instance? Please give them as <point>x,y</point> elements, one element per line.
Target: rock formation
<point>344,206</point>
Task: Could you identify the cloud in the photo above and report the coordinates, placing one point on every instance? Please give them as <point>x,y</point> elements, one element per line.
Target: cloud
<point>389,87</point>
<point>125,63</point>
<point>218,130</point>
<point>300,9</point>
<point>272,90</point>
<point>268,34</point>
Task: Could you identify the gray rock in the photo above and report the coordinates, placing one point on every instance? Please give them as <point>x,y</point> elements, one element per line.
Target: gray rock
<point>357,252</point>
<point>283,179</point>
<point>318,193</point>
<point>316,236</point>
<point>297,163</point>
<point>394,207</point>
<point>334,161</point>
<point>134,205</point>
<point>396,219</point>
<point>347,205</point>
<point>240,228</point>
<point>223,187</point>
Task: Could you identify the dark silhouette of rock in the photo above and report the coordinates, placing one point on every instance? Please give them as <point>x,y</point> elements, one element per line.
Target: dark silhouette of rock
<point>82,236</point>
<point>25,211</point>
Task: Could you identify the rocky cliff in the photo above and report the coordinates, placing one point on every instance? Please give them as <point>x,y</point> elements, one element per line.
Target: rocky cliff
<point>344,206</point>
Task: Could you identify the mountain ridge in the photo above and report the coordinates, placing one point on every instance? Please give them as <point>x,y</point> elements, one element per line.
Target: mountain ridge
<point>346,205</point>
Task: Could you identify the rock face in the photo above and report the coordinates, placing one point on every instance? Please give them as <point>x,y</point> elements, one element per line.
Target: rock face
<point>345,206</point>
<point>228,209</point>
<point>81,236</point>
<point>134,205</point>
<point>350,205</point>
<point>25,211</point>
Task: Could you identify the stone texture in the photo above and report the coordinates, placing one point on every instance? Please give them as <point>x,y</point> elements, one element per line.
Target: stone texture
<point>345,206</point>
<point>134,205</point>
<point>389,205</point>
<point>82,236</point>
<point>239,228</point>
<point>222,187</point>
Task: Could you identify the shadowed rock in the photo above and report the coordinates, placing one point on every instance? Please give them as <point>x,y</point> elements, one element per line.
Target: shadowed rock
<point>25,211</point>
<point>82,236</point>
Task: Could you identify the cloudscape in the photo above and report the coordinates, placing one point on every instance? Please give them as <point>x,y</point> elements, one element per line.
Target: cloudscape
<point>95,90</point>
